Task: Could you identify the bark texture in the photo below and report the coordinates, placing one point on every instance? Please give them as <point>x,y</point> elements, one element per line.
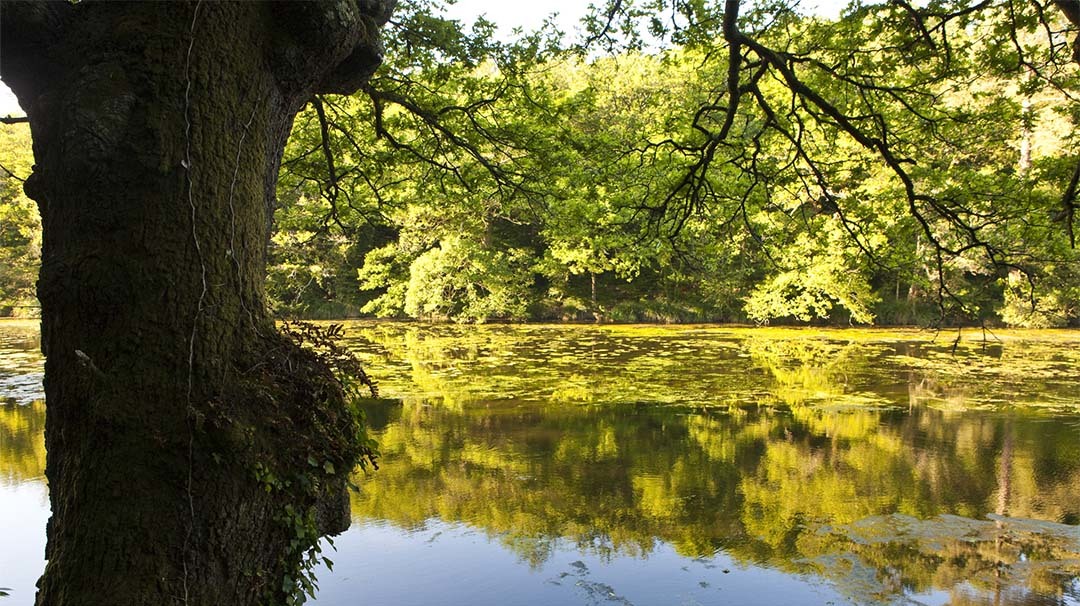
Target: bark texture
<point>180,425</point>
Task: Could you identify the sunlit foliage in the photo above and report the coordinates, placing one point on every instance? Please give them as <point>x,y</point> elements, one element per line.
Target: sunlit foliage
<point>479,179</point>
<point>525,180</point>
<point>20,225</point>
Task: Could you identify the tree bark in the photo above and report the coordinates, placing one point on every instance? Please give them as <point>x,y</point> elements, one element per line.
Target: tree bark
<point>188,441</point>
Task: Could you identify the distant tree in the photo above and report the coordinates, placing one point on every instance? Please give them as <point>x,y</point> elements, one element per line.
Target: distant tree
<point>20,227</point>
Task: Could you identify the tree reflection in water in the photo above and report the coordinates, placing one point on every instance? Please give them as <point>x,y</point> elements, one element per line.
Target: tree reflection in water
<point>877,461</point>
<point>813,456</point>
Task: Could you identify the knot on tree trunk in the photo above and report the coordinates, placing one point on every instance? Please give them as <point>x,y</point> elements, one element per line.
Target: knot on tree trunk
<point>329,46</point>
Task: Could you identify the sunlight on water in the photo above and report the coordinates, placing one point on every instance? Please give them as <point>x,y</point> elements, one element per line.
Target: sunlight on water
<point>677,465</point>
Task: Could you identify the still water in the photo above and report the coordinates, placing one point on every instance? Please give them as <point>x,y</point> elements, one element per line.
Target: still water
<point>677,466</point>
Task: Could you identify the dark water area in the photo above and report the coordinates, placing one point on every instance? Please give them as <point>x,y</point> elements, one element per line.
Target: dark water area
<point>676,466</point>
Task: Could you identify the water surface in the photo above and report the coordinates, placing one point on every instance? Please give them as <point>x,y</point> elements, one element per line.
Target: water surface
<point>678,465</point>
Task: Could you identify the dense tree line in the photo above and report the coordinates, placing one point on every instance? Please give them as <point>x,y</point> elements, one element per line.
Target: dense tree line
<point>531,181</point>
<point>20,227</point>
<point>478,180</point>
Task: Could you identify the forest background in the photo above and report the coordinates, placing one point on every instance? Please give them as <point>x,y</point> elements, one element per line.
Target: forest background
<point>481,177</point>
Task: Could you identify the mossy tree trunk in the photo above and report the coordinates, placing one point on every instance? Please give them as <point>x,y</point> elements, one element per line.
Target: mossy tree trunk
<point>181,427</point>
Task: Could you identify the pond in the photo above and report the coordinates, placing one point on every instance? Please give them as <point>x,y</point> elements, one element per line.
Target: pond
<point>685,465</point>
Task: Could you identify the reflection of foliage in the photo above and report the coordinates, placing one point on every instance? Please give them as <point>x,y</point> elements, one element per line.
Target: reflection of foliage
<point>1009,370</point>
<point>992,556</point>
<point>813,370</point>
<point>541,476</point>
<point>689,365</point>
<point>691,436</point>
<point>22,442</point>
<point>539,434</point>
<point>766,487</point>
<point>22,409</point>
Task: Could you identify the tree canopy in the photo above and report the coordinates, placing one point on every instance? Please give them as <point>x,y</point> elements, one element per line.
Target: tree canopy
<point>696,161</point>
<point>896,164</point>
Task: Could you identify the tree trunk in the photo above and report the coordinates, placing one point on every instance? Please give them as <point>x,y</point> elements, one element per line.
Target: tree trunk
<point>189,443</point>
